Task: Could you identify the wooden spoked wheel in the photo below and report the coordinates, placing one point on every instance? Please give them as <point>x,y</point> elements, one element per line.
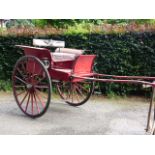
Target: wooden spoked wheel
<point>77,93</point>
<point>31,86</point>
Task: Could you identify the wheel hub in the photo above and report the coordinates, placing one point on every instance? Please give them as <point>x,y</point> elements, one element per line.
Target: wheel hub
<point>29,86</point>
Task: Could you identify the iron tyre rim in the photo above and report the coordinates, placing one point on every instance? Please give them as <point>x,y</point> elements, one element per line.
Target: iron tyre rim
<point>32,95</point>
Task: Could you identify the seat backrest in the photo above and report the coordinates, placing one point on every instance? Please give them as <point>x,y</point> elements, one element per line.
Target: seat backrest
<point>41,53</point>
<point>84,64</point>
<point>48,43</point>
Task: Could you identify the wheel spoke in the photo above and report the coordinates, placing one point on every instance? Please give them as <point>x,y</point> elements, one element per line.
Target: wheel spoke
<point>40,80</point>
<point>32,103</point>
<point>80,91</point>
<point>19,71</point>
<point>43,104</point>
<point>19,86</point>
<point>39,92</point>
<point>20,93</point>
<point>24,98</point>
<point>85,90</point>
<point>20,79</point>
<point>62,92</point>
<point>27,103</point>
<point>68,95</point>
<point>74,94</point>
<point>77,96</point>
<point>35,100</point>
<point>41,86</point>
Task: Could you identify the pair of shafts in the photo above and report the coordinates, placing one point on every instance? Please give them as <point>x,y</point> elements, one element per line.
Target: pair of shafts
<point>130,79</point>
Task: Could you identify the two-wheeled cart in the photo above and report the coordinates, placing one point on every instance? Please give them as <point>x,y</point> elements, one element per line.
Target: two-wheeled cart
<point>71,71</point>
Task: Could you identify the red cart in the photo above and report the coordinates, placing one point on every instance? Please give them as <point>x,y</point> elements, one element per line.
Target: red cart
<point>70,70</point>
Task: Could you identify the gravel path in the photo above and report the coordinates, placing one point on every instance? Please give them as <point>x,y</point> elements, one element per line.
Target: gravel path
<point>98,116</point>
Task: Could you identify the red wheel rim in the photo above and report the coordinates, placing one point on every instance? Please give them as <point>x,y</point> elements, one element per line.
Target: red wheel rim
<point>31,86</point>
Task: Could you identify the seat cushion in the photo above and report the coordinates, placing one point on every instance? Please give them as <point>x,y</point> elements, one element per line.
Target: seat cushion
<point>58,57</point>
<point>69,50</point>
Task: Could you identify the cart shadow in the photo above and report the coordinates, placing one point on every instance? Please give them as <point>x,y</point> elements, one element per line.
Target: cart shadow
<point>60,107</point>
<point>54,108</point>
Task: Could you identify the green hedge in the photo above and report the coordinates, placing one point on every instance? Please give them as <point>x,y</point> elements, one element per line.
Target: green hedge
<point>120,54</point>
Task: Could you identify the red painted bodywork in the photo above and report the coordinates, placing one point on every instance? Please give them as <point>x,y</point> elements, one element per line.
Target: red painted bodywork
<point>80,68</point>
<point>62,70</point>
